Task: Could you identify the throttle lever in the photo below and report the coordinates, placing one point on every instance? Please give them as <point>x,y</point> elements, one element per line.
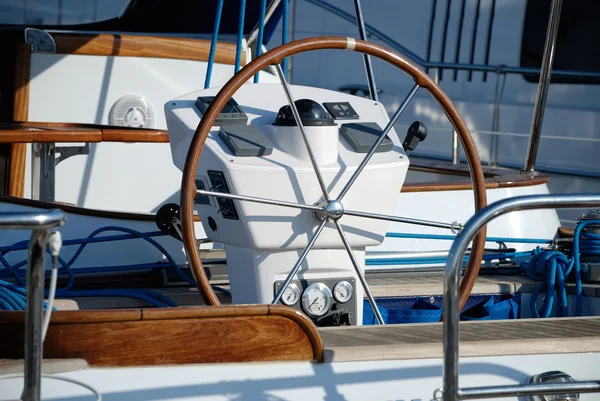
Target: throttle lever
<point>417,132</point>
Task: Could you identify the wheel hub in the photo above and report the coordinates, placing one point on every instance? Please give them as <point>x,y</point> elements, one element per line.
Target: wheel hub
<point>332,210</point>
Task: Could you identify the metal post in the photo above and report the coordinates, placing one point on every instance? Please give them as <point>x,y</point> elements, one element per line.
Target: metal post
<point>41,223</point>
<point>33,318</point>
<point>368,66</point>
<point>292,22</point>
<point>542,93</point>
<point>43,172</point>
<point>493,159</point>
<point>455,149</point>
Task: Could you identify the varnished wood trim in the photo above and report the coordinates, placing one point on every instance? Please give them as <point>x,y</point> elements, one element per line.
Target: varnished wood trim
<point>566,232</point>
<point>521,180</point>
<point>116,135</point>
<point>16,136</point>
<point>443,186</point>
<point>80,134</point>
<point>67,136</point>
<point>509,180</point>
<point>237,333</point>
<point>16,180</point>
<point>143,46</point>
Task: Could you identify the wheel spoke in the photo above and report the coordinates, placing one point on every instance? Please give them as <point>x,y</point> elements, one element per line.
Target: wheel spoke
<point>259,200</point>
<point>455,227</point>
<point>288,94</point>
<point>292,274</point>
<point>359,272</point>
<point>386,130</point>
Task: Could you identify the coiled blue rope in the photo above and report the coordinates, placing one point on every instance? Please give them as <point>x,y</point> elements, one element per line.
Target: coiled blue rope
<point>261,31</point>
<point>13,297</point>
<point>554,267</point>
<point>284,34</point>
<point>551,267</point>
<point>240,37</point>
<point>213,44</point>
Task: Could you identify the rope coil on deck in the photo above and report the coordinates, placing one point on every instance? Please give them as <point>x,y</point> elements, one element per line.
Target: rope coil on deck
<point>554,267</point>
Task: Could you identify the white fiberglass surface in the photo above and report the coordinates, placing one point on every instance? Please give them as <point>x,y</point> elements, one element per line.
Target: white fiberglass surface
<point>291,381</point>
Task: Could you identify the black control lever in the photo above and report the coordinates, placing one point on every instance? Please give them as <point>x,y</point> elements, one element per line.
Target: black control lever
<point>168,220</point>
<point>417,132</point>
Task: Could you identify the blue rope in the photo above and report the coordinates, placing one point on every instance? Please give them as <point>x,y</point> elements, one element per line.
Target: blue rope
<point>238,50</point>
<point>553,267</point>
<point>11,270</point>
<point>66,266</point>
<point>213,44</point>
<point>452,238</point>
<point>12,300</point>
<point>261,30</point>
<point>284,35</point>
<point>440,259</point>
<point>24,245</point>
<point>13,297</point>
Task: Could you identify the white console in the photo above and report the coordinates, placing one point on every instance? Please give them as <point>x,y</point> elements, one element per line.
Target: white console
<point>256,150</point>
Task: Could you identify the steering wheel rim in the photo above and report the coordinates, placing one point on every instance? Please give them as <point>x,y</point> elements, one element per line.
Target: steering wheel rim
<point>275,56</point>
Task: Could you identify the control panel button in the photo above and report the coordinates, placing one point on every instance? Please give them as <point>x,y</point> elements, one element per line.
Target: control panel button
<point>341,110</point>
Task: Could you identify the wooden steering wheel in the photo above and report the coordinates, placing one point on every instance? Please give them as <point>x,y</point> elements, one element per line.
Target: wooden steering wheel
<point>274,57</point>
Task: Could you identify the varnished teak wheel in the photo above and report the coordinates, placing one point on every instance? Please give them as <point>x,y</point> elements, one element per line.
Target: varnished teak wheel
<point>330,209</point>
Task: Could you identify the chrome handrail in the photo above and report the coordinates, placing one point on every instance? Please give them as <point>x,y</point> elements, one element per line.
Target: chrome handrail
<point>41,224</point>
<point>451,391</point>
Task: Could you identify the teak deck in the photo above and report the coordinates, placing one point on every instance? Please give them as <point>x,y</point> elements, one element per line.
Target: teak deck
<point>477,338</point>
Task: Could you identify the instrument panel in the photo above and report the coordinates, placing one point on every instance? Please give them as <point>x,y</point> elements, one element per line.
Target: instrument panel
<point>328,302</point>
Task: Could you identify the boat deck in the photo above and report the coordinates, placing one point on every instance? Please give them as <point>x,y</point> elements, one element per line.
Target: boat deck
<point>477,338</point>
<point>406,341</point>
<point>424,340</point>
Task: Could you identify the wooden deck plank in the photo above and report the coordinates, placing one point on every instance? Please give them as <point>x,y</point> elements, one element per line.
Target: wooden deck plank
<point>478,338</point>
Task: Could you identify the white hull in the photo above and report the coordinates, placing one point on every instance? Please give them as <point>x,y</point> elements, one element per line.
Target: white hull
<point>299,381</point>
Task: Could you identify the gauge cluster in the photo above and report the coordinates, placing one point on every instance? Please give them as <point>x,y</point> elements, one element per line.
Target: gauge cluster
<point>328,302</point>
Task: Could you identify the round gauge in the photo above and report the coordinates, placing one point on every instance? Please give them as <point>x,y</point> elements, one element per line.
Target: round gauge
<point>342,291</point>
<point>317,299</point>
<point>291,295</point>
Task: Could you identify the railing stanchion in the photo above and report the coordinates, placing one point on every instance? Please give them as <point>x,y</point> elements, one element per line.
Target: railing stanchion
<point>542,93</point>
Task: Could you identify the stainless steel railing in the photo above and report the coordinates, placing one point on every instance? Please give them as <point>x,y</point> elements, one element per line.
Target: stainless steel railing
<point>41,224</point>
<point>451,391</point>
